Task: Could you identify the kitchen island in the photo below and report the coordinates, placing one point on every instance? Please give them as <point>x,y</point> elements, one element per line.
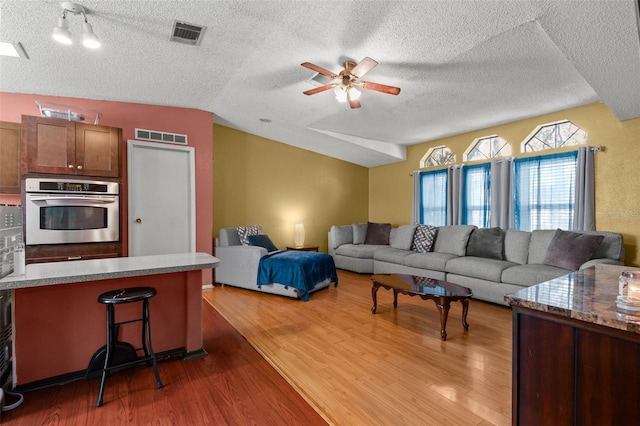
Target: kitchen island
<point>575,357</point>
<point>59,324</point>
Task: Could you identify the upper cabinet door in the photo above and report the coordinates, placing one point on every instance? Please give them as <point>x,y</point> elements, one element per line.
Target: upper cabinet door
<point>68,147</point>
<point>9,158</point>
<point>97,149</point>
<point>48,145</point>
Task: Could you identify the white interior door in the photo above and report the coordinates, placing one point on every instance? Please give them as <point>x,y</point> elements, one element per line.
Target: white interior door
<point>162,208</point>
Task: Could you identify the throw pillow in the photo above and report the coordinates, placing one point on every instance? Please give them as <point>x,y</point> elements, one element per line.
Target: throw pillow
<point>245,231</point>
<point>377,233</point>
<point>262,240</point>
<point>359,233</point>
<point>403,237</point>
<point>423,238</point>
<point>341,235</point>
<point>569,250</point>
<point>486,242</point>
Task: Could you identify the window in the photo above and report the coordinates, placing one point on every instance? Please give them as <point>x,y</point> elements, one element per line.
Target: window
<point>555,135</point>
<point>438,156</point>
<point>433,197</point>
<point>544,189</point>
<point>487,148</point>
<point>476,195</point>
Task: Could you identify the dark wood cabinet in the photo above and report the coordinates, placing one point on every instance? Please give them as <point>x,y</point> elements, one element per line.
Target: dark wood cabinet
<point>9,158</point>
<point>570,372</point>
<point>68,147</point>
<point>66,252</point>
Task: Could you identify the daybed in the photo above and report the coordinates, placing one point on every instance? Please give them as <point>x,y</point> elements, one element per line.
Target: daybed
<point>293,274</point>
<point>491,261</point>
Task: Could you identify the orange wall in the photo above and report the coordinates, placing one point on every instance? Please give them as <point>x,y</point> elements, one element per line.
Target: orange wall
<point>197,124</point>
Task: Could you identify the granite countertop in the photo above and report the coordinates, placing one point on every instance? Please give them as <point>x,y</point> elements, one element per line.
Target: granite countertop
<point>42,274</point>
<point>588,295</point>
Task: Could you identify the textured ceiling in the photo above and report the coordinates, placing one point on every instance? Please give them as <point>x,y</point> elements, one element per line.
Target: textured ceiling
<point>462,65</point>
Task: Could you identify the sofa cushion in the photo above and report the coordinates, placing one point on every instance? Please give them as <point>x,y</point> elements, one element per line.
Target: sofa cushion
<point>516,246</point>
<point>391,255</point>
<point>569,250</point>
<point>538,245</point>
<point>341,235</point>
<point>245,231</point>
<point>453,239</point>
<point>432,260</point>
<point>361,251</point>
<point>487,243</point>
<point>262,240</point>
<point>611,247</point>
<point>528,275</point>
<point>377,233</point>
<point>402,237</point>
<point>478,267</point>
<point>359,233</point>
<point>423,238</point>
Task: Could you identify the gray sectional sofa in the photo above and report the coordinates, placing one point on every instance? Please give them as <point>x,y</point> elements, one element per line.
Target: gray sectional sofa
<point>500,262</point>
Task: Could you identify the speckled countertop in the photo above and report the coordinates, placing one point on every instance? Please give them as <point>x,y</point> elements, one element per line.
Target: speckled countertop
<point>588,295</point>
<point>42,274</point>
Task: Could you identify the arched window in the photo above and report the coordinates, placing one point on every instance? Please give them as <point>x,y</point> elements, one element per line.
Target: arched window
<point>486,148</point>
<point>554,135</point>
<point>438,156</point>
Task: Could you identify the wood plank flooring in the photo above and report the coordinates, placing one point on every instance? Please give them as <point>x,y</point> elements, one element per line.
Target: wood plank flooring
<point>233,385</point>
<point>391,368</point>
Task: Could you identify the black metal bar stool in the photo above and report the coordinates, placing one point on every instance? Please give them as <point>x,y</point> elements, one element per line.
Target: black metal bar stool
<point>118,297</point>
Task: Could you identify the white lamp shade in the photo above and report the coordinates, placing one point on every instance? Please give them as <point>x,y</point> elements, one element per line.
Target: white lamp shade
<point>354,94</point>
<point>89,39</point>
<point>298,234</point>
<point>61,33</point>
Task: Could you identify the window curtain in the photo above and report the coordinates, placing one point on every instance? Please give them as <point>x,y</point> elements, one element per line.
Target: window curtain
<point>454,195</point>
<point>584,207</point>
<point>415,207</point>
<point>502,193</point>
<point>476,190</point>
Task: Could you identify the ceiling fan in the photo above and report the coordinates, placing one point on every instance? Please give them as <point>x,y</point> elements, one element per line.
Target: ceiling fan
<point>347,81</point>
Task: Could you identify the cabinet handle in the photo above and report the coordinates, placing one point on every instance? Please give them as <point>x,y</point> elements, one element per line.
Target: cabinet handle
<point>79,167</point>
<point>71,166</point>
<point>138,220</point>
<point>74,257</point>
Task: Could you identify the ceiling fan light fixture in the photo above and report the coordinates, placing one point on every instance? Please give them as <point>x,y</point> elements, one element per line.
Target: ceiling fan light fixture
<point>354,93</point>
<point>61,33</point>
<point>341,93</point>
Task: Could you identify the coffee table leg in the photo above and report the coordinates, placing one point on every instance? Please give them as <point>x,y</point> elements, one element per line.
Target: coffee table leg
<point>465,309</point>
<point>395,298</point>
<point>374,296</point>
<point>443,307</point>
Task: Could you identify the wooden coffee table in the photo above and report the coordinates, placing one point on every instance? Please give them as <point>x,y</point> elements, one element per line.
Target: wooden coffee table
<point>441,292</point>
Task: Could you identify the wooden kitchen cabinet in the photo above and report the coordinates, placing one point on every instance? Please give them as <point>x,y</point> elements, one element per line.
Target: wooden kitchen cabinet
<point>68,147</point>
<point>9,158</point>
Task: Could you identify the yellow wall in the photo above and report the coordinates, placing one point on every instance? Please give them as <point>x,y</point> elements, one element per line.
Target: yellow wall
<point>617,170</point>
<point>260,181</point>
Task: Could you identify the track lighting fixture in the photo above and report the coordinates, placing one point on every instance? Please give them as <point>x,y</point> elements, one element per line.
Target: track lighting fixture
<point>62,34</point>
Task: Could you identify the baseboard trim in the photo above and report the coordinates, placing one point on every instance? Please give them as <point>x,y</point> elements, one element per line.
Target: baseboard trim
<point>195,354</point>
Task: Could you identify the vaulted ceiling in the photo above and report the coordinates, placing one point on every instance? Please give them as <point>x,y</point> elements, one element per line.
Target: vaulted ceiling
<point>461,65</point>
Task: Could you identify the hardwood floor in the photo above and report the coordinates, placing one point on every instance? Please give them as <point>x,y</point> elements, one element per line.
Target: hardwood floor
<point>233,385</point>
<point>390,368</point>
<point>343,365</point>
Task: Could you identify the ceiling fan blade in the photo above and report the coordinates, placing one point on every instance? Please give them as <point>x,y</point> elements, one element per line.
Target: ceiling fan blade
<point>319,89</point>
<point>318,69</point>
<point>379,87</point>
<point>365,65</point>
<point>353,103</point>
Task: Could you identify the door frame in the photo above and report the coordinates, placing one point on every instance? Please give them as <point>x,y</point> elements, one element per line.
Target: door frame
<point>131,145</point>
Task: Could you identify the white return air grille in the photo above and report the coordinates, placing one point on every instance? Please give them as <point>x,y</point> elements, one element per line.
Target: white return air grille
<point>186,33</point>
<point>155,136</point>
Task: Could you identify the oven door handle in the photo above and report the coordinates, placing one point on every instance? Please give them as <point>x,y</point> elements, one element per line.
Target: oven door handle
<point>62,200</point>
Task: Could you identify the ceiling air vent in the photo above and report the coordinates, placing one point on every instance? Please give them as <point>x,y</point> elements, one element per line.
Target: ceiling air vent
<point>183,32</point>
<point>155,136</point>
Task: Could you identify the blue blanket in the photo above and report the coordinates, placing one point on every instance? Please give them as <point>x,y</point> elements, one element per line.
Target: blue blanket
<point>299,269</point>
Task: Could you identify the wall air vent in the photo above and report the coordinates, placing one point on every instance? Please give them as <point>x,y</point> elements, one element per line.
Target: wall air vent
<point>185,33</point>
<point>320,80</point>
<point>155,136</point>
